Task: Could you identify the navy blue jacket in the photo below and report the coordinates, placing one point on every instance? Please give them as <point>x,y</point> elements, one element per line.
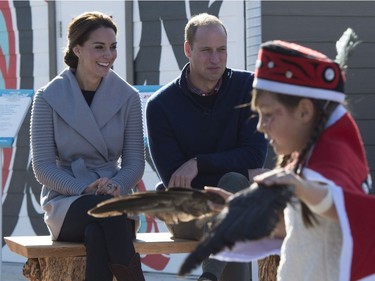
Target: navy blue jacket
<point>223,138</point>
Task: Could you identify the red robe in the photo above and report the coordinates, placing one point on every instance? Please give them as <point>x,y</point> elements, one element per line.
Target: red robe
<point>340,157</point>
<point>337,159</point>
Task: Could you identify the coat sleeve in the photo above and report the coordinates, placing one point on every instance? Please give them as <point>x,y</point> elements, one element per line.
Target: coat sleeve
<point>133,153</point>
<point>44,151</point>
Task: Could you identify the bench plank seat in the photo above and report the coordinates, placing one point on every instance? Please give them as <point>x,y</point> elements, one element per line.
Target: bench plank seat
<point>146,243</point>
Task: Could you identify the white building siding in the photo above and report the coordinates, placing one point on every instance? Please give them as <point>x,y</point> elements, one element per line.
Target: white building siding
<point>253,32</point>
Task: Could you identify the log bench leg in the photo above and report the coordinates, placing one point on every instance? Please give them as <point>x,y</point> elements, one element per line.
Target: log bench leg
<point>55,268</point>
<point>267,268</point>
<point>31,269</point>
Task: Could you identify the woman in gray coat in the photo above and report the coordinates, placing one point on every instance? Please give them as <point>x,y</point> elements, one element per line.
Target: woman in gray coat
<point>87,146</point>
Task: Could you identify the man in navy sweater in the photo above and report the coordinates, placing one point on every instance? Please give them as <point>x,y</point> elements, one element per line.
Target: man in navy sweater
<point>199,135</point>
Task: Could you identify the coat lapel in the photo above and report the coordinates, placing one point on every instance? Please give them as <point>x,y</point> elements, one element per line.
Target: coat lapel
<point>67,101</point>
<point>109,98</point>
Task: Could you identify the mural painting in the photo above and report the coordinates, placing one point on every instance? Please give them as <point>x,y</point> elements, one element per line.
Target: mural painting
<point>22,214</point>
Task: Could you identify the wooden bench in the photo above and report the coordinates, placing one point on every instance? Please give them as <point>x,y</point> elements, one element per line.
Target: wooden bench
<point>65,261</point>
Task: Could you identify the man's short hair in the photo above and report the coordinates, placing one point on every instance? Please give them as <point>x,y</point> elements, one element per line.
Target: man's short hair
<point>196,21</point>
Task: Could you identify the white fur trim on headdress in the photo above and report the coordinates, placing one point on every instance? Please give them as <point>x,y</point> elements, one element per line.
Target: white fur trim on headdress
<point>296,90</point>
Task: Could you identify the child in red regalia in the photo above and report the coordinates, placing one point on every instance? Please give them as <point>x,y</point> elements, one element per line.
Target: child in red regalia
<point>330,229</point>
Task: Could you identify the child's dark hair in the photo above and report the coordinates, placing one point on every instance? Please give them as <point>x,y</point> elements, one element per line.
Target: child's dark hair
<point>323,109</point>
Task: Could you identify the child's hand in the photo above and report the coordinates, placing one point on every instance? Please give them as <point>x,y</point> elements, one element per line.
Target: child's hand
<point>310,192</point>
<point>281,177</point>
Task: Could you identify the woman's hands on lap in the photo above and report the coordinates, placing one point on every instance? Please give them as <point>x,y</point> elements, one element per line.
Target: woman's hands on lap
<point>103,186</point>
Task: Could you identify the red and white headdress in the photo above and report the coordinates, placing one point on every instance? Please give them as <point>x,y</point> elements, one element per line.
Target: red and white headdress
<point>288,68</point>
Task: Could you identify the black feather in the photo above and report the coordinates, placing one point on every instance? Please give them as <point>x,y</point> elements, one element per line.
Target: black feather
<point>250,214</point>
<point>173,205</point>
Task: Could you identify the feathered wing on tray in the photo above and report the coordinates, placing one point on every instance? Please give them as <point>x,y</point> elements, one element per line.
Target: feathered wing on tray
<point>177,204</point>
<point>248,215</point>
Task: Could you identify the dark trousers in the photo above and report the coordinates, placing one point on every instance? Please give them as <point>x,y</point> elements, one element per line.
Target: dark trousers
<point>224,271</point>
<point>107,240</point>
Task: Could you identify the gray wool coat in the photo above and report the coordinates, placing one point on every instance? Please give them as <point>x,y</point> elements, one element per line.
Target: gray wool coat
<point>73,144</point>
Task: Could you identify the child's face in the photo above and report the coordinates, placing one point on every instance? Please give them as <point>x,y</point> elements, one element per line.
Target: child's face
<point>285,129</point>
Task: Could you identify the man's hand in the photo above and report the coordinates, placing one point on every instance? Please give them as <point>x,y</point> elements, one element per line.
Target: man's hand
<point>184,175</point>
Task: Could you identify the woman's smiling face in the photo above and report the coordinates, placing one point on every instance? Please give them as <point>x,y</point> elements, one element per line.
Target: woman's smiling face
<point>97,54</point>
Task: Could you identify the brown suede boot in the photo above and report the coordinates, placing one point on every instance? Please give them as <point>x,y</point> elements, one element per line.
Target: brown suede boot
<point>132,272</point>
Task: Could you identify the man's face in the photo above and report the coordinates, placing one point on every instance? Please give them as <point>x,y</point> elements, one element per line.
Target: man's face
<point>207,55</point>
